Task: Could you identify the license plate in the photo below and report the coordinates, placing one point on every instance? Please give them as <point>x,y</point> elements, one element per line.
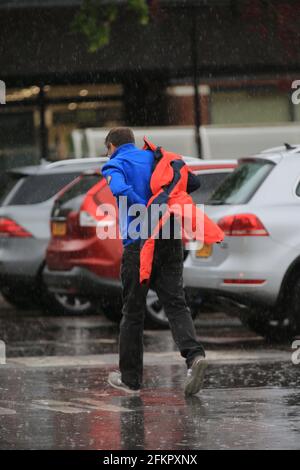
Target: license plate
<point>205,251</point>
<point>59,229</point>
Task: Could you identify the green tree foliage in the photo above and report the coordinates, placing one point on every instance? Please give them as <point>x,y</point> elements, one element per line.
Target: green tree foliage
<point>95,19</point>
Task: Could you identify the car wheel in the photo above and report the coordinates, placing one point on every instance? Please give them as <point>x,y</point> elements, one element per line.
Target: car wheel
<point>155,314</point>
<point>20,300</point>
<point>273,327</point>
<point>65,304</point>
<point>112,309</point>
<point>293,300</point>
<point>156,317</point>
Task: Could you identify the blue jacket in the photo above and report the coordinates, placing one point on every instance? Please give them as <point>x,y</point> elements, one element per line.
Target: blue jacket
<point>128,173</point>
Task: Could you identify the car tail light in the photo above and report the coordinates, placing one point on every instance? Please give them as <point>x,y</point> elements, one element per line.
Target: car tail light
<point>10,229</point>
<point>242,225</point>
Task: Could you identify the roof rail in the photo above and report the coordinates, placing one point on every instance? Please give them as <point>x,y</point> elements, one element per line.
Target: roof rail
<point>288,146</point>
<point>74,161</point>
<point>283,148</point>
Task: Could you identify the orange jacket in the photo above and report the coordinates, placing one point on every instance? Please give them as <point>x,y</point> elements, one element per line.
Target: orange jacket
<point>169,187</point>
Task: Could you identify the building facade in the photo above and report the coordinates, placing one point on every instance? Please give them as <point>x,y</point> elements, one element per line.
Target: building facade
<point>205,62</point>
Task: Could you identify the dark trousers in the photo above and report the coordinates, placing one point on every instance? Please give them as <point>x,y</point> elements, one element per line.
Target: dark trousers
<point>167,281</point>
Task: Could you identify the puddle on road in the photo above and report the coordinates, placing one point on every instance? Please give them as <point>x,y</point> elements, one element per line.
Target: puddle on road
<point>55,336</point>
<point>66,409</point>
<point>243,405</point>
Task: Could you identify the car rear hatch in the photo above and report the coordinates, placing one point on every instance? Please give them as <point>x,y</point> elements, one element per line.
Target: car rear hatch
<point>228,208</point>
<point>65,216</point>
<point>73,221</point>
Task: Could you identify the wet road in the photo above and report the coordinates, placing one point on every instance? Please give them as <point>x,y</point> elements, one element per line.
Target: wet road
<point>53,391</point>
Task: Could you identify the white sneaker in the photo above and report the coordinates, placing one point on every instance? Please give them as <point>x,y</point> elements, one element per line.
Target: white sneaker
<point>114,380</point>
<point>195,376</point>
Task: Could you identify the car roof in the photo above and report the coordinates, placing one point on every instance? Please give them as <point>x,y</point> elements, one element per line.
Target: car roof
<point>65,166</point>
<point>193,161</point>
<point>86,164</point>
<point>275,154</point>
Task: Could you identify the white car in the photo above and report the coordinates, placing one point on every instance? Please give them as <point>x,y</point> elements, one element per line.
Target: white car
<point>257,266</point>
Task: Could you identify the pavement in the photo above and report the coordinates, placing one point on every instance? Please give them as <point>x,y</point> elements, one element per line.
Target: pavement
<point>54,392</point>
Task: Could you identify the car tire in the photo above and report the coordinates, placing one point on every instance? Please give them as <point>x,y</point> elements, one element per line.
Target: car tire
<point>155,314</point>
<point>70,305</point>
<point>156,317</point>
<point>19,300</point>
<point>269,324</point>
<point>112,309</point>
<point>292,302</point>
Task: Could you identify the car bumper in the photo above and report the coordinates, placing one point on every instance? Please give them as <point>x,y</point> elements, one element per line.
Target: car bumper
<point>209,279</point>
<point>21,260</point>
<point>82,282</point>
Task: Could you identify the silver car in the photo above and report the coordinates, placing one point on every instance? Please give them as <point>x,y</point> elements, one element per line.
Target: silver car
<point>26,199</point>
<point>256,269</point>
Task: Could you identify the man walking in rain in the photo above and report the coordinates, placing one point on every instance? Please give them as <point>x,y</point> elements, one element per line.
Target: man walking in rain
<point>128,174</point>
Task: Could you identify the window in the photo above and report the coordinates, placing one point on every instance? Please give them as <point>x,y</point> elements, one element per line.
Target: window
<point>40,188</point>
<point>7,182</point>
<point>249,106</point>
<point>209,183</point>
<point>72,198</point>
<point>298,190</point>
<point>243,183</point>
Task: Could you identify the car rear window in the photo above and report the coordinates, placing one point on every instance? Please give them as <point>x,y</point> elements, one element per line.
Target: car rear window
<point>39,188</point>
<point>72,197</point>
<point>7,182</point>
<point>209,183</point>
<point>241,185</point>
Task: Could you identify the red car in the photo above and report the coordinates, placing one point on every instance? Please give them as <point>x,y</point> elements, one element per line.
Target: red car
<point>80,263</point>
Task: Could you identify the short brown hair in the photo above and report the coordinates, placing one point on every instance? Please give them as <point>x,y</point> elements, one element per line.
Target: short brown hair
<point>119,136</point>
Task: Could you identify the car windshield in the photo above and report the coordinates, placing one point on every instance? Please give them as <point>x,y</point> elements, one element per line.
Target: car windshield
<point>241,185</point>
<point>39,188</point>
